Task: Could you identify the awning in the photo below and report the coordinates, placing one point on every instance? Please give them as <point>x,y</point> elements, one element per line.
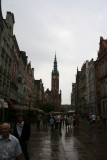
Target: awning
<point>72,111</point>
<point>3,104</point>
<point>1,100</point>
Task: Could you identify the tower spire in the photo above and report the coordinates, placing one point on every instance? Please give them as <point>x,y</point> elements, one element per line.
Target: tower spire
<point>55,65</point>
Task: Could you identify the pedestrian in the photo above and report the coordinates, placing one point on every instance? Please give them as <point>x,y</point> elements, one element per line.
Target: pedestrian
<point>70,121</point>
<point>57,121</point>
<point>22,132</point>
<point>60,123</point>
<point>45,120</point>
<point>89,121</point>
<point>52,120</point>
<point>98,119</point>
<point>9,145</point>
<point>67,122</point>
<point>74,120</point>
<point>93,120</point>
<point>39,118</point>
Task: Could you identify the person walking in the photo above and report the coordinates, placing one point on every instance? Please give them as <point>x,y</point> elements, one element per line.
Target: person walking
<point>39,119</point>
<point>9,145</point>
<point>22,132</point>
<point>89,121</point>
<point>67,122</point>
<point>93,120</point>
<point>52,120</point>
<point>70,121</point>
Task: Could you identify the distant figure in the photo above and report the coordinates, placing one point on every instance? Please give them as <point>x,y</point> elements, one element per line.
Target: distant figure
<point>67,122</point>
<point>10,148</point>
<point>89,121</point>
<point>98,119</point>
<point>45,120</point>
<point>70,121</point>
<point>22,132</point>
<point>39,118</point>
<point>52,120</point>
<point>75,120</point>
<point>57,121</point>
<point>93,119</point>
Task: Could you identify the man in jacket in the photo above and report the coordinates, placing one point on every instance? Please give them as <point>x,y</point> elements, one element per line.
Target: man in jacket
<point>22,132</point>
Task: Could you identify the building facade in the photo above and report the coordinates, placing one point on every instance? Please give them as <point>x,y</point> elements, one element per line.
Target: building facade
<point>73,97</point>
<point>29,81</point>
<point>92,87</point>
<point>22,87</point>
<point>6,52</point>
<point>101,77</point>
<point>14,71</point>
<point>1,21</point>
<point>38,94</point>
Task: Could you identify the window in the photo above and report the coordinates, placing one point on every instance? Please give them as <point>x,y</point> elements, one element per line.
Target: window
<point>1,61</point>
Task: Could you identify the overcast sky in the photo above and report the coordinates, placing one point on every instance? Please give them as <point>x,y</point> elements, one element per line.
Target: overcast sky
<point>71,27</point>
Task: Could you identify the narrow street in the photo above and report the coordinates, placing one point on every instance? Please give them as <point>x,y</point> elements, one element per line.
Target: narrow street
<point>73,144</point>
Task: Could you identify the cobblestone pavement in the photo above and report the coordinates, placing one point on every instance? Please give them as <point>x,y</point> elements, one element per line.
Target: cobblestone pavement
<point>72,144</point>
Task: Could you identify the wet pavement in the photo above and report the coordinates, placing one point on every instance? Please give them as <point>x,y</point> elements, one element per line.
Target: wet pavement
<point>72,144</point>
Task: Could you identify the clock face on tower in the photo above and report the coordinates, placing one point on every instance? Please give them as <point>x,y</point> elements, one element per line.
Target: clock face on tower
<point>54,77</point>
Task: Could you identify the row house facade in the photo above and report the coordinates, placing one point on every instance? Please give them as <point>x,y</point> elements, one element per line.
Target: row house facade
<point>85,96</point>
<point>39,93</point>
<point>82,90</point>
<point>101,77</point>
<point>6,52</point>
<point>18,86</point>
<point>22,87</point>
<point>16,74</point>
<point>14,71</point>
<point>91,84</point>
<point>1,21</point>
<point>29,81</point>
<point>76,95</point>
<point>92,87</point>
<point>73,96</point>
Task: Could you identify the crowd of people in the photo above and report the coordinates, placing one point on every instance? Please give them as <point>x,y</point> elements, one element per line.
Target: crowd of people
<point>14,145</point>
<point>56,121</point>
<point>96,120</point>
